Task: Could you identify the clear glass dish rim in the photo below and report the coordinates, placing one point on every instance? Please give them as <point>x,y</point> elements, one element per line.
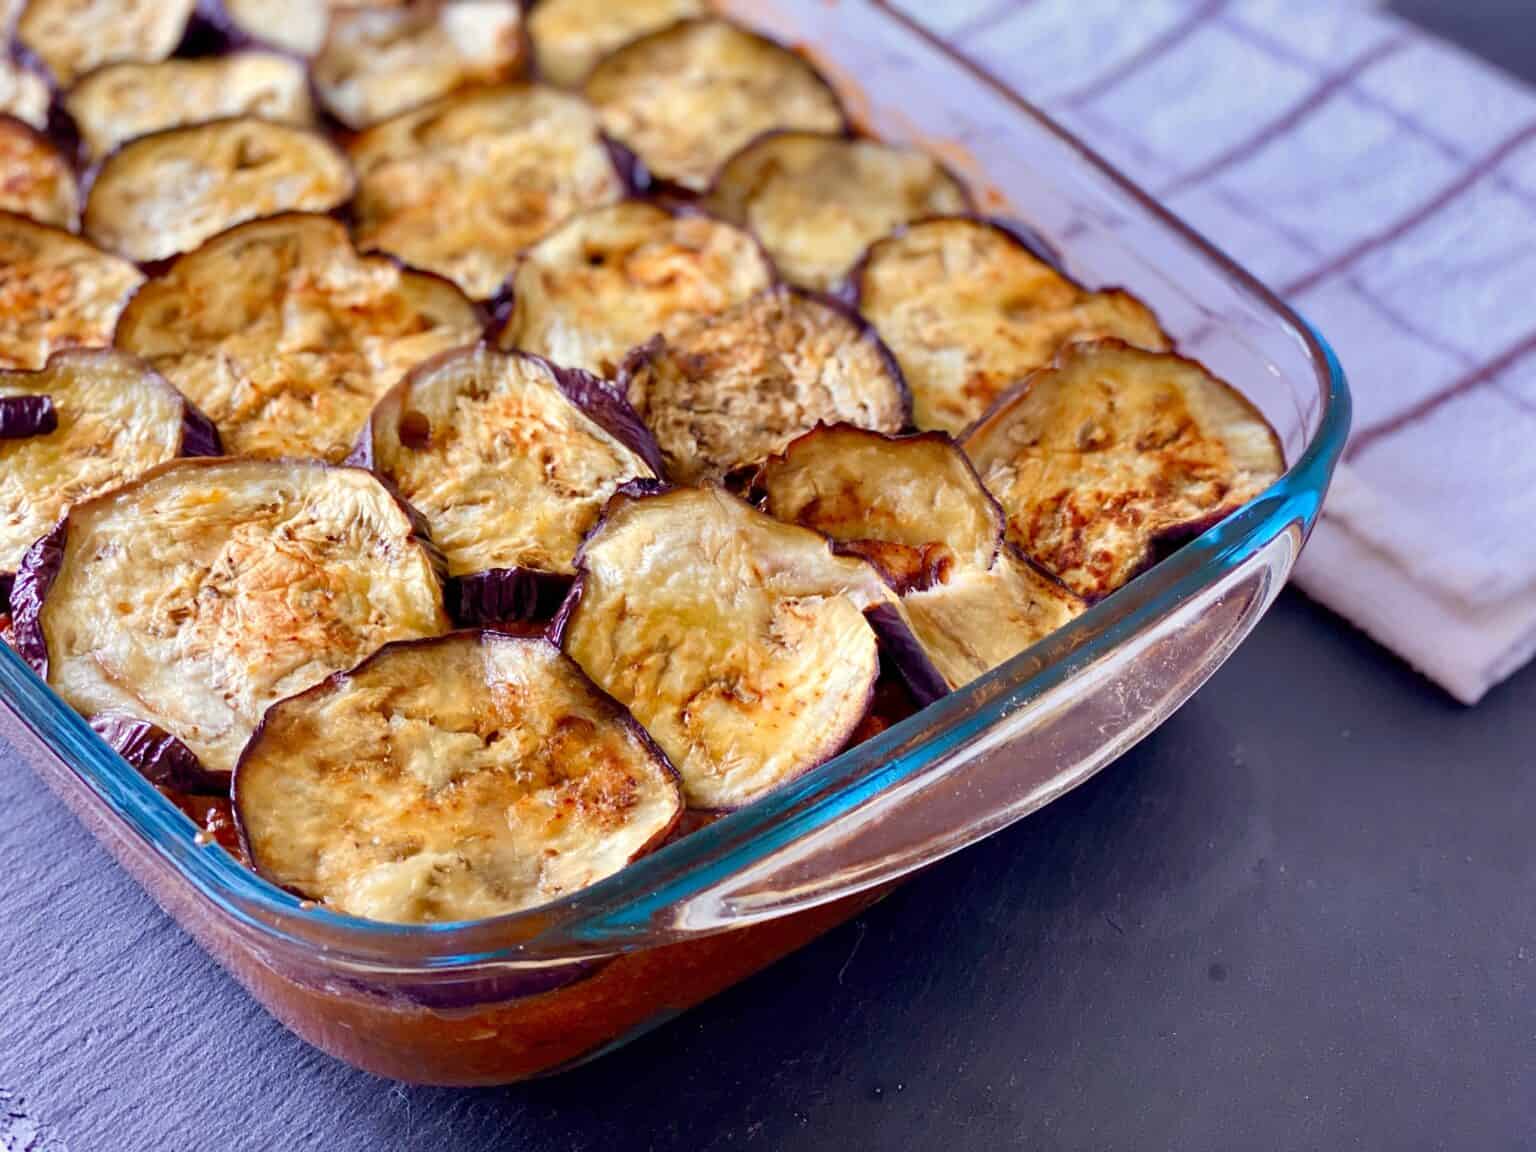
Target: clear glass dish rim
<point>616,914</point>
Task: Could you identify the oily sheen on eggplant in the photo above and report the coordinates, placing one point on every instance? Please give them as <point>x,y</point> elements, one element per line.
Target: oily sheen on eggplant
<point>746,647</point>
<point>1114,451</point>
<point>164,194</point>
<point>294,26</point>
<point>463,185</point>
<point>24,88</point>
<point>610,279</point>
<point>818,200</point>
<point>684,98</point>
<point>464,777</point>
<point>969,310</point>
<point>287,337</point>
<point>56,291</point>
<point>204,591</point>
<point>511,460</point>
<point>731,389</point>
<point>39,180</point>
<point>72,37</point>
<point>570,36</point>
<point>915,508</point>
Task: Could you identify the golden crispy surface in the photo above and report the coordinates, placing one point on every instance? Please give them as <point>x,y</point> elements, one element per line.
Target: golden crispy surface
<point>1098,457</point>
<point>740,643</point>
<point>56,291</point>
<point>467,777</point>
<point>817,201</point>
<point>120,102</point>
<point>23,93</point>
<point>463,186</point>
<point>732,389</point>
<point>35,179</point>
<point>377,62</point>
<point>208,590</point>
<point>685,98</point>
<point>969,311</point>
<point>508,472</point>
<point>74,36</point>
<point>610,279</point>
<point>116,421</point>
<point>570,36</point>
<point>161,195</point>
<point>286,337</point>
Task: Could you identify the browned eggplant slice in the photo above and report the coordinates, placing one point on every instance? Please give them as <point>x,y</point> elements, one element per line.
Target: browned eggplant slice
<point>39,181</point>
<point>378,62</point>
<point>198,595</point>
<point>121,102</point>
<point>969,310</point>
<point>511,461</point>
<point>286,337</point>
<point>161,195</point>
<point>24,90</point>
<point>73,36</point>
<point>462,186</point>
<point>1111,452</point>
<point>570,36</point>
<point>610,279</point>
<point>293,26</point>
<point>745,646</point>
<point>451,779</point>
<point>113,419</point>
<point>732,389</point>
<point>817,201</point>
<point>685,98</point>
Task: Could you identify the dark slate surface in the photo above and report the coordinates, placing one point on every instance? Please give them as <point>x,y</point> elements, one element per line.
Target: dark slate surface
<point>1299,916</point>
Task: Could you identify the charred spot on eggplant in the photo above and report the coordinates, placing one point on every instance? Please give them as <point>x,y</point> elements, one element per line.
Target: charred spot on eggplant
<point>570,36</point>
<point>204,591</point>
<point>969,310</point>
<point>123,101</point>
<point>463,185</point>
<point>164,194</point>
<point>685,98</point>
<point>74,36</point>
<point>610,279</point>
<point>818,200</point>
<point>39,180</point>
<point>731,389</point>
<point>1113,449</point>
<point>452,779</point>
<point>377,62</point>
<point>287,337</point>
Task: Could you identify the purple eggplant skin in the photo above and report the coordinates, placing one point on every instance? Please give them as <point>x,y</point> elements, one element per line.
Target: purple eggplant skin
<point>906,655</point>
<point>159,757</point>
<point>22,417</point>
<point>606,405</point>
<point>39,569</point>
<point>506,596</point>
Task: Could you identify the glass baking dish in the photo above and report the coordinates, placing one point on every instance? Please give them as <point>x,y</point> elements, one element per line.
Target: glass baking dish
<point>500,1000</point>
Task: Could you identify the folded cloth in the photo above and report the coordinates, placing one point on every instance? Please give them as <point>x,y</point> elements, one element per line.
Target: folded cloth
<point>1385,183</point>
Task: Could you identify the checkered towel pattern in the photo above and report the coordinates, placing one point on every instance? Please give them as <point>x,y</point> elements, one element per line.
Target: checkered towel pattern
<point>1384,183</point>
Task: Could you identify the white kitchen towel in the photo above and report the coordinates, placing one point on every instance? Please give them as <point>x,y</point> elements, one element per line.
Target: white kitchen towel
<point>1385,183</point>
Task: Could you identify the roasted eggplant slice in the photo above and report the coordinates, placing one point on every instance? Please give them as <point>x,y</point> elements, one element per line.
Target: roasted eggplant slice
<point>685,98</point>
<point>39,181</point>
<point>56,291</point>
<point>511,461</point>
<point>293,26</point>
<point>732,389</point>
<point>817,201</point>
<point>24,90</point>
<point>161,195</point>
<point>610,279</point>
<point>198,595</point>
<point>570,36</point>
<point>378,62</point>
<point>464,185</point>
<point>73,36</point>
<point>1114,451</point>
<point>745,646</point>
<point>121,102</point>
<point>287,337</point>
<point>112,419</point>
<point>968,310</point>
<point>451,779</point>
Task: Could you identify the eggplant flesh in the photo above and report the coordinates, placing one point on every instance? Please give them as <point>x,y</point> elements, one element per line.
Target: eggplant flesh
<point>968,310</point>
<point>1113,450</point>
<point>685,98</point>
<point>570,36</point>
<point>287,337</point>
<point>39,182</point>
<point>24,92</point>
<point>197,595</point>
<point>453,779</point>
<point>72,37</point>
<point>732,389</point>
<point>294,26</point>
